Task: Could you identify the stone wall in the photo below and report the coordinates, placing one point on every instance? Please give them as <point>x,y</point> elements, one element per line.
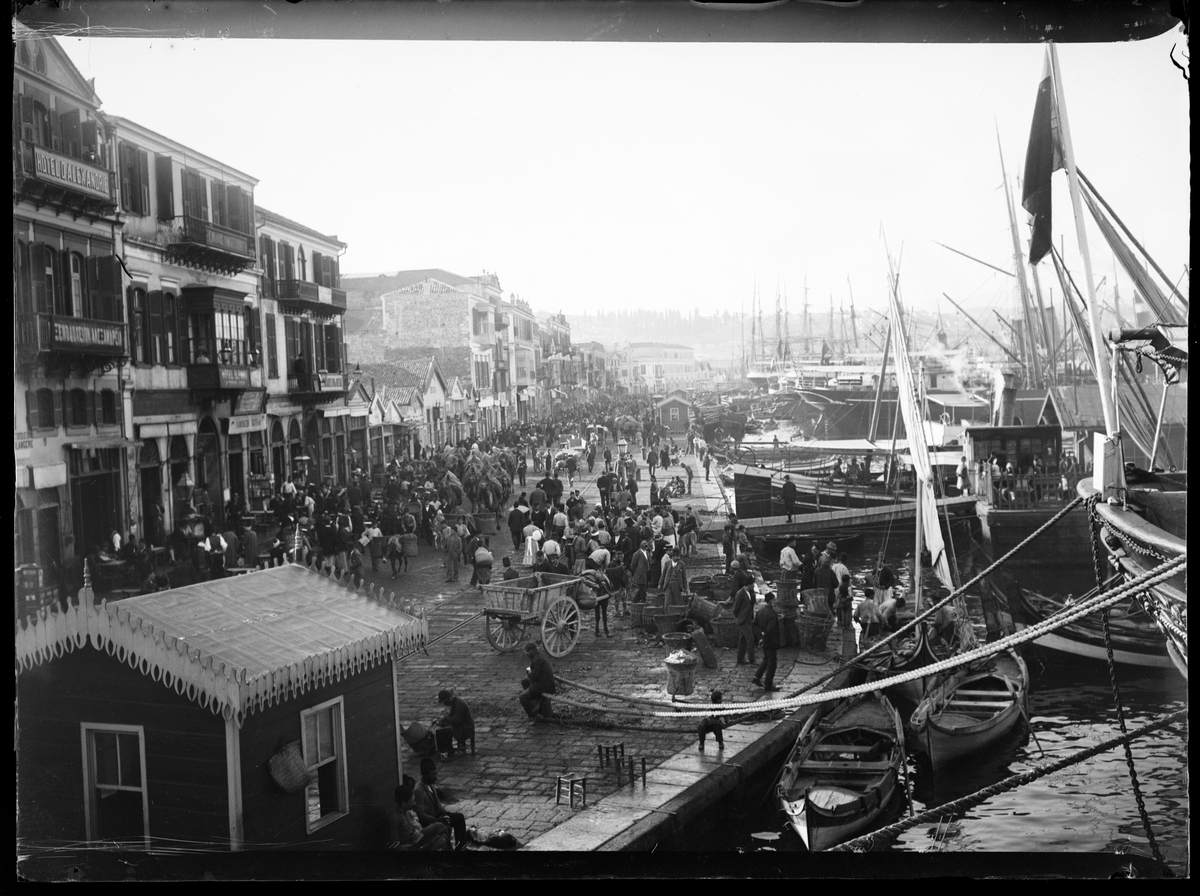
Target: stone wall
<point>428,314</point>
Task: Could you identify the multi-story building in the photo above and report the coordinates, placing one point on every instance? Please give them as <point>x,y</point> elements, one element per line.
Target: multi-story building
<point>436,311</point>
<point>195,329</point>
<point>519,350</point>
<point>70,413</point>
<point>305,414</point>
<point>558,363</point>
<point>593,374</point>
<point>657,367</point>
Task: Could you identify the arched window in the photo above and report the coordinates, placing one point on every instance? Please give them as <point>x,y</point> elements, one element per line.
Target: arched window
<point>53,287</point>
<point>23,53</point>
<point>39,62</point>
<point>79,408</point>
<point>303,265</point>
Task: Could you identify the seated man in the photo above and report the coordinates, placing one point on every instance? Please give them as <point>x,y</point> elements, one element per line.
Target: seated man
<point>430,810</point>
<point>407,831</point>
<point>458,718</point>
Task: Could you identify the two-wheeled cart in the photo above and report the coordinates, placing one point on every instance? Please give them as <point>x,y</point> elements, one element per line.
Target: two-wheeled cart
<point>541,598</point>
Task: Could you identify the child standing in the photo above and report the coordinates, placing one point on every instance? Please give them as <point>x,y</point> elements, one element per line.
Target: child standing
<point>712,724</point>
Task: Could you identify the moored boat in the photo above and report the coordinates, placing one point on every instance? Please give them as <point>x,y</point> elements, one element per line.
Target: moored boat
<point>1134,634</point>
<point>843,772</point>
<point>968,712</point>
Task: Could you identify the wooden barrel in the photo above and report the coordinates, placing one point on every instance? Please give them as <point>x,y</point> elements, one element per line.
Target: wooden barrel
<point>785,593</point>
<point>637,611</point>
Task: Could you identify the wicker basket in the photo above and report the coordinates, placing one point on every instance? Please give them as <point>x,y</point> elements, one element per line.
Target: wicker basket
<point>667,622</point>
<point>408,544</point>
<point>637,611</point>
<point>677,641</point>
<point>814,631</point>
<point>288,770</point>
<point>726,631</point>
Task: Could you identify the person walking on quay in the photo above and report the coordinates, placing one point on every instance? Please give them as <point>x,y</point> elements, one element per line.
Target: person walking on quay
<point>453,549</point>
<point>789,497</point>
<point>430,809</point>
<point>707,465</point>
<point>522,468</point>
<point>572,465</point>
<point>687,468</point>
<point>374,536</point>
<point>537,686</point>
<point>639,571</point>
<point>591,456</point>
<point>664,457</point>
<point>483,564</point>
<point>743,615</point>
<point>789,562</point>
<point>768,624</point>
<point>673,580</point>
<point>728,540</point>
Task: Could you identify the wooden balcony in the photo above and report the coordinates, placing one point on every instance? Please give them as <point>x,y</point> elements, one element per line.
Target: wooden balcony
<point>198,243</point>
<point>305,295</point>
<point>220,365</point>
<point>69,342</point>
<point>319,386</point>
<point>51,178</point>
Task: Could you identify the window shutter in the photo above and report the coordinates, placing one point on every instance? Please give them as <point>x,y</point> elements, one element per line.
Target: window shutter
<point>248,210</point>
<point>183,350</point>
<point>164,185</point>
<point>59,411</point>
<point>65,300</point>
<point>131,316</point>
<point>69,122</point>
<point>28,122</point>
<point>154,345</point>
<point>202,189</point>
<point>31,409</point>
<point>37,277</point>
<point>91,142</point>
<point>124,152</point>
<point>67,419</point>
<point>55,131</point>
<point>272,272</point>
<point>318,276</point>
<point>143,177</point>
<point>234,209</point>
<point>119,407</point>
<point>95,298</point>
<point>272,349</point>
<point>95,406</point>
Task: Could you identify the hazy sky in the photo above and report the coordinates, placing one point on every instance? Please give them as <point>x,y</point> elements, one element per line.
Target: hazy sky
<point>676,175</point>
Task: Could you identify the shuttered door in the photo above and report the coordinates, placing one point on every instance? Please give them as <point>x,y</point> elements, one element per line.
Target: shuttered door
<point>164,183</point>
<point>318,277</point>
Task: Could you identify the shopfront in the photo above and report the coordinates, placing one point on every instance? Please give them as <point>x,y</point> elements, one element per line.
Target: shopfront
<point>279,454</point>
<point>150,480</point>
<point>208,495</point>
<point>97,492</point>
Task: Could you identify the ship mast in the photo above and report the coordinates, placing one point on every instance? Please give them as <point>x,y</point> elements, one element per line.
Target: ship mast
<point>853,318</point>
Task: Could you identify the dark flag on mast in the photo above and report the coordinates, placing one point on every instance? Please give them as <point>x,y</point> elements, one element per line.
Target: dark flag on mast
<point>1043,157</point>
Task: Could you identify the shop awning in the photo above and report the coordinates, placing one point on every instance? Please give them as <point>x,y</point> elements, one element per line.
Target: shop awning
<point>33,498</point>
<point>105,443</point>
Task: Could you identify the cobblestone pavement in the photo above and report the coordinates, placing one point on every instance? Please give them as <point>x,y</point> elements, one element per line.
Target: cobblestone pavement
<point>510,783</point>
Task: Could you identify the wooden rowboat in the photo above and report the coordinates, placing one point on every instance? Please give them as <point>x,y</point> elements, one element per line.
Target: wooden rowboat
<point>968,712</point>
<point>843,772</point>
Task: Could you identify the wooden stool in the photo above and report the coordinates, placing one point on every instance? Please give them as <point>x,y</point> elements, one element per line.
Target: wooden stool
<point>632,775</point>
<point>614,753</point>
<point>576,785</point>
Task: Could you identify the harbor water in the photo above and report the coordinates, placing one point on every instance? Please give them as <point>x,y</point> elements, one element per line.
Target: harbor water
<point>1087,808</point>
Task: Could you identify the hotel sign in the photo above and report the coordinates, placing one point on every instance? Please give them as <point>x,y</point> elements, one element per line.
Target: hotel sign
<point>50,166</point>
<point>89,333</point>
<point>227,242</point>
<point>234,378</point>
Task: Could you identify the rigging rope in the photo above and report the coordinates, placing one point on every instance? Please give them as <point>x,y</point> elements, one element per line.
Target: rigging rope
<point>1031,633</point>
<point>890,832</point>
<point>1112,677</point>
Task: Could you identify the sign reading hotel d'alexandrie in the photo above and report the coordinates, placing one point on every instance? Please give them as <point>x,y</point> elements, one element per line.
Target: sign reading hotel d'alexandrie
<point>67,171</point>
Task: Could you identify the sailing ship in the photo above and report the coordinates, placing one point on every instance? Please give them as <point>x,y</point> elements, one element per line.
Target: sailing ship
<point>844,771</point>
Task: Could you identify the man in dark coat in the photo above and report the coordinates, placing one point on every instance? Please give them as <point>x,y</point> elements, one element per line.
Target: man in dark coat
<point>768,624</point>
<point>789,497</point>
<point>540,683</point>
<point>458,718</point>
<point>743,615</point>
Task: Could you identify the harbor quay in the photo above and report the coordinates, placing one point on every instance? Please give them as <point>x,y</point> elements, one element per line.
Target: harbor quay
<point>511,782</point>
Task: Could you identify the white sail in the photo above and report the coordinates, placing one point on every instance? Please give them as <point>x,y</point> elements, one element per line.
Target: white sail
<point>918,447</point>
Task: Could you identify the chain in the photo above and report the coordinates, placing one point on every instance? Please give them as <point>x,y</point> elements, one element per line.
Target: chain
<point>865,843</point>
<point>1093,520</point>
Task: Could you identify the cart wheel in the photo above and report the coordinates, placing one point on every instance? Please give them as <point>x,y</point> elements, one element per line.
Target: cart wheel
<point>504,633</point>
<point>560,626</point>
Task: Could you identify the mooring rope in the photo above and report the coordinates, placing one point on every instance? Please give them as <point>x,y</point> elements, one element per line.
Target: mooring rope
<point>1031,633</point>
<point>890,832</point>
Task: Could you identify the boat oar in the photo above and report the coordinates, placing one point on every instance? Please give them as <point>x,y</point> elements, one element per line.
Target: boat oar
<point>1024,715</point>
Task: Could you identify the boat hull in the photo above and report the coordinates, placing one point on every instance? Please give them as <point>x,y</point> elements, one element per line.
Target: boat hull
<point>965,715</point>
<point>844,771</point>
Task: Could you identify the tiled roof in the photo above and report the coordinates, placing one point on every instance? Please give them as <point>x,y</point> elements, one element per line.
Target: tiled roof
<point>453,361</point>
<point>391,375</point>
<point>277,218</point>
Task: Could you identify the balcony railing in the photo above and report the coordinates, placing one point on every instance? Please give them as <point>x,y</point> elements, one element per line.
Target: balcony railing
<point>222,364</point>
<point>320,382</point>
<point>78,335</point>
<point>297,289</point>
<point>339,297</point>
<point>206,245</point>
<point>62,180</point>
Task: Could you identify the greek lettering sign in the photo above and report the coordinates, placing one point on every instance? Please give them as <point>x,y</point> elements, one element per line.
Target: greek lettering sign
<point>234,378</point>
<point>109,337</point>
<point>50,166</point>
<point>229,242</point>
